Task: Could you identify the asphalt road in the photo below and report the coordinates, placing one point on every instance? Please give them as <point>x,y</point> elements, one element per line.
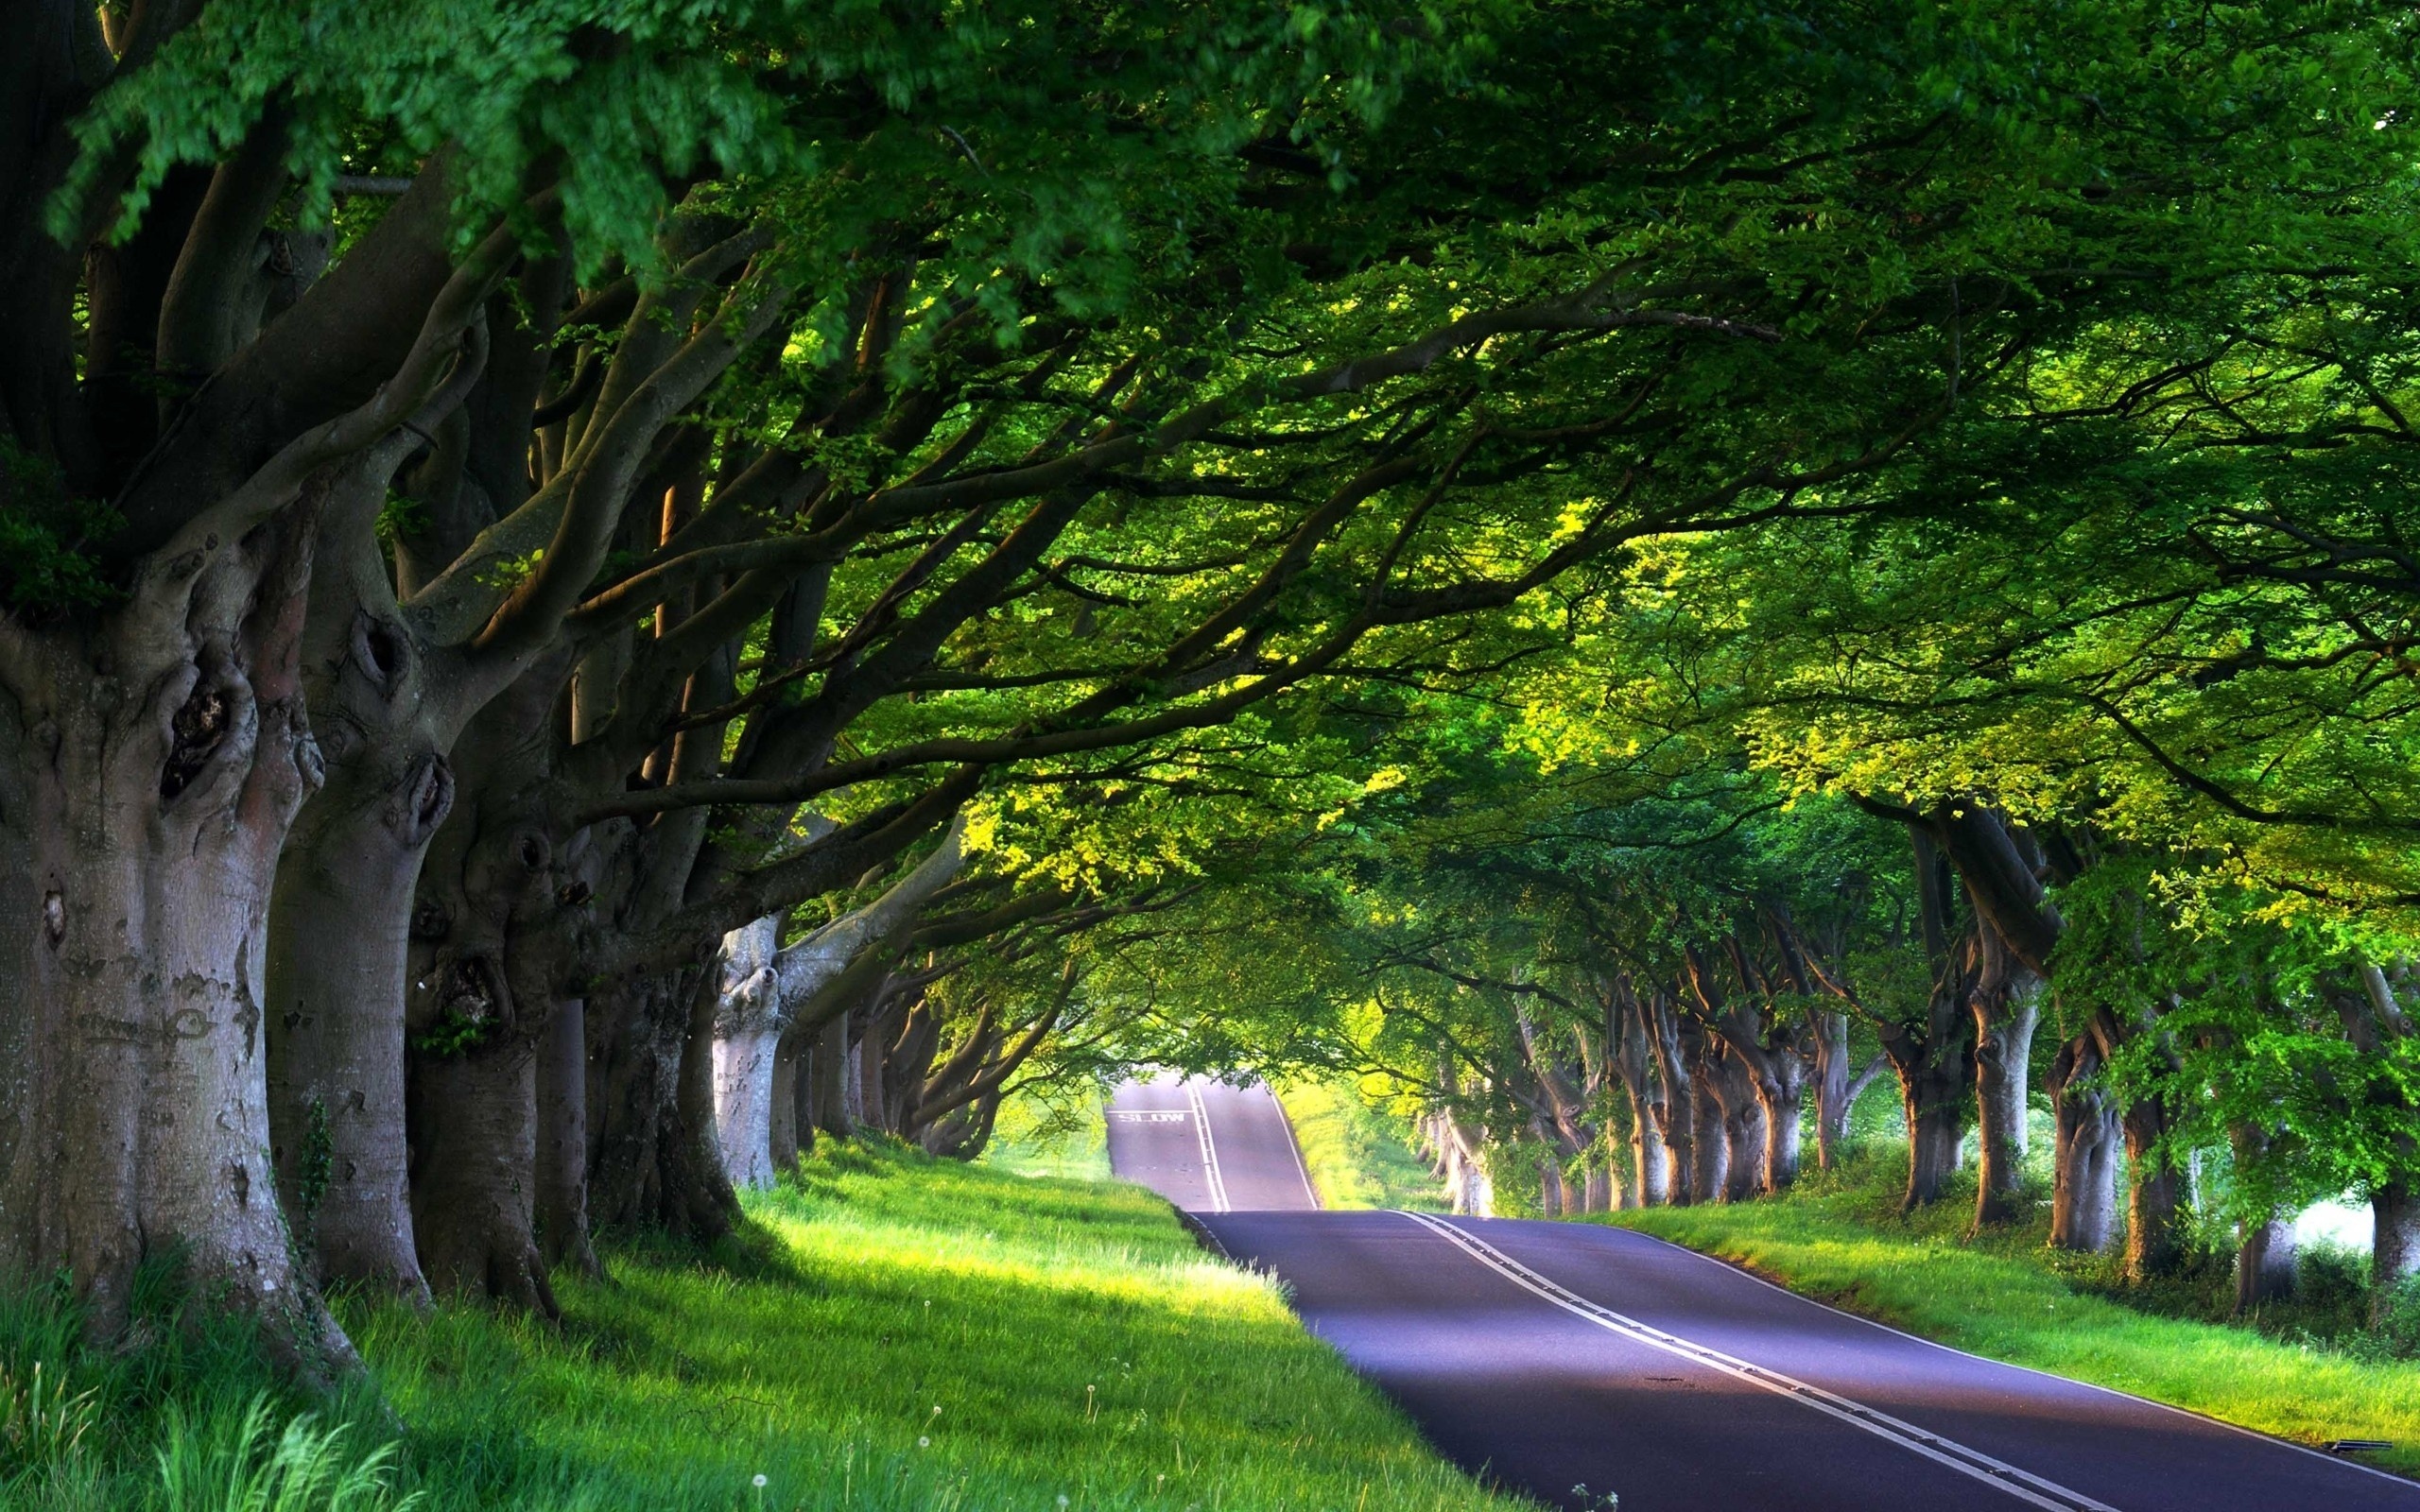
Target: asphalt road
<point>1552,1356</point>
<point>1159,1134</point>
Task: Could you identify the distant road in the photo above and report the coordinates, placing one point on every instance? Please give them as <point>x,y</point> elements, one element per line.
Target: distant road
<point>1548,1356</point>
<point>1159,1135</point>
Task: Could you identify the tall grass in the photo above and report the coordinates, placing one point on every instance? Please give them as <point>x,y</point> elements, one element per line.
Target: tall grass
<point>889,1334</point>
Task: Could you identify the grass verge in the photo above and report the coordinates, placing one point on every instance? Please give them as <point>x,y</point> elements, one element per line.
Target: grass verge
<point>891,1332</point>
<point>1357,1154</point>
<point>2004,1295</point>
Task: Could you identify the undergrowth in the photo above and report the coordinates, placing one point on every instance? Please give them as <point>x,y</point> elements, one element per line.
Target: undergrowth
<point>890,1333</point>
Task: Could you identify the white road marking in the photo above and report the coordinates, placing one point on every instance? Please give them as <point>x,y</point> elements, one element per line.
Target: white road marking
<point>2022,1484</point>
<point>1745,1274</point>
<point>1209,1149</point>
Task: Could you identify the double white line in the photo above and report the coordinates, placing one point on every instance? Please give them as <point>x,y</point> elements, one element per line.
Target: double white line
<point>2022,1484</point>
<point>1210,1171</point>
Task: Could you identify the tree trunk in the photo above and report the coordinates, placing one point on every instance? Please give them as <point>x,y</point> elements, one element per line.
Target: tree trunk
<point>150,765</point>
<point>634,1061</point>
<point>1709,1180</point>
<point>2084,1192</point>
<point>2395,1244</point>
<point>787,1117</point>
<point>874,1042</point>
<point>827,1074</point>
<point>1650,1174</point>
<point>2264,1260</point>
<point>1676,1105</point>
<point>2006,1007</point>
<point>2264,1264</point>
<point>473,1121</point>
<point>1552,1201</point>
<point>562,1140</point>
<point>338,954</point>
<point>1744,1130</point>
<point>1596,1186</point>
<point>745,1046</point>
<point>1784,1114</point>
<point>699,1200</point>
<point>340,918</point>
<point>1833,1079</point>
<point>1934,1100</point>
<point>1743,1126</point>
<point>2154,1195</point>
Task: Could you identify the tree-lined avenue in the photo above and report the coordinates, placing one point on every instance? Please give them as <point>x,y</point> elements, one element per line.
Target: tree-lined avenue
<point>1557,1356</point>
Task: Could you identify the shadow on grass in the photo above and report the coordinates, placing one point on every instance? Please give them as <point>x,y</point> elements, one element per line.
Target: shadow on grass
<point>887,1332</point>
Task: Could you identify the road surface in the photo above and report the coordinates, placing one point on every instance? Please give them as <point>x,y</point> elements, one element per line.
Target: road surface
<point>1552,1356</point>
<point>1159,1135</point>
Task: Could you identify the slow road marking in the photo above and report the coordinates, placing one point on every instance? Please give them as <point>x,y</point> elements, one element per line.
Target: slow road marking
<point>2022,1484</point>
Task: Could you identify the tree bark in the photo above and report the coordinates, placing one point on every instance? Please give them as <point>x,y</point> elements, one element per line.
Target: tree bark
<point>1710,1177</point>
<point>2007,1006</point>
<point>827,1073</point>
<point>151,761</point>
<point>2395,1244</point>
<point>764,990</point>
<point>562,1140</point>
<point>1832,1078</point>
<point>1676,1105</point>
<point>789,1114</point>
<point>2155,1195</point>
<point>1936,1128</point>
<point>2084,1193</point>
<point>634,1058</point>
<point>474,1126</point>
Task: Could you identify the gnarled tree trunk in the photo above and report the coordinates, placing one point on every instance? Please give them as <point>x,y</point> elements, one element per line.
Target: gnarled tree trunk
<point>2084,1193</point>
<point>2007,1004</point>
<point>151,760</point>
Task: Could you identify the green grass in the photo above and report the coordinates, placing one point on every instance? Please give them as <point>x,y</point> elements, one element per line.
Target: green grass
<point>891,1332</point>
<point>2007,1297</point>
<point>1357,1154</point>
